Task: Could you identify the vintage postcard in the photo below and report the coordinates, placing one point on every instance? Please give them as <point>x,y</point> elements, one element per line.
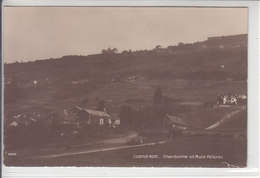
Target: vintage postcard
<point>125,86</point>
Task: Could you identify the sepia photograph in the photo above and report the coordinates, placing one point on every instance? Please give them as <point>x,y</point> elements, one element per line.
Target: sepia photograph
<point>125,87</point>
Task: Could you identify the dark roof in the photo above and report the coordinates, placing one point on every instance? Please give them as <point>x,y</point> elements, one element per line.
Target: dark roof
<point>94,112</point>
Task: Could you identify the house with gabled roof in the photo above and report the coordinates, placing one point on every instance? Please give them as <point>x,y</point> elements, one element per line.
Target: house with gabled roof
<point>175,122</point>
<point>94,117</point>
<point>176,125</point>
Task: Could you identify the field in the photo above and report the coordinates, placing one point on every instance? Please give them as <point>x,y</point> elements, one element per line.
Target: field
<point>227,151</point>
<point>239,122</point>
<point>116,93</point>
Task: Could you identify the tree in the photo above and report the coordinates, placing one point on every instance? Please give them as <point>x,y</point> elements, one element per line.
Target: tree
<point>158,96</point>
<point>85,101</point>
<point>115,50</point>
<point>109,51</point>
<point>158,47</point>
<point>101,105</point>
<point>126,115</point>
<point>104,51</point>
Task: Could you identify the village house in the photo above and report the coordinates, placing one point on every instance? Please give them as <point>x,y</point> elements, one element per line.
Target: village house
<point>176,125</point>
<point>94,117</point>
<point>25,119</point>
<point>227,99</point>
<point>62,117</point>
<point>80,118</point>
<point>175,122</point>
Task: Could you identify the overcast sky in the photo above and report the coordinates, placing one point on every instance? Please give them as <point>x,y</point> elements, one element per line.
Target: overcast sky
<point>32,33</point>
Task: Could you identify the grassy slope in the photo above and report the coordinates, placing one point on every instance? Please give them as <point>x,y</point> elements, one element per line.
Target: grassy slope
<point>116,93</point>
<point>204,118</point>
<point>238,122</point>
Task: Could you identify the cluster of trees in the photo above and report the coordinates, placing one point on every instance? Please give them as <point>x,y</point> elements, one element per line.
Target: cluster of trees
<point>109,51</point>
<point>150,116</point>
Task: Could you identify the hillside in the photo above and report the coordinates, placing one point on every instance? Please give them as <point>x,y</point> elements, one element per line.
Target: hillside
<point>200,60</point>
<point>116,77</point>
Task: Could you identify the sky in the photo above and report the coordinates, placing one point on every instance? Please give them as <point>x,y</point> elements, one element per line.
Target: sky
<point>33,33</point>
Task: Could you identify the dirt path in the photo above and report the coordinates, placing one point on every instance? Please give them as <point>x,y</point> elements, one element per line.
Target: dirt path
<point>226,118</point>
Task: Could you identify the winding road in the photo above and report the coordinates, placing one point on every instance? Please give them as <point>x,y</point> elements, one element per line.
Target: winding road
<point>226,118</point>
